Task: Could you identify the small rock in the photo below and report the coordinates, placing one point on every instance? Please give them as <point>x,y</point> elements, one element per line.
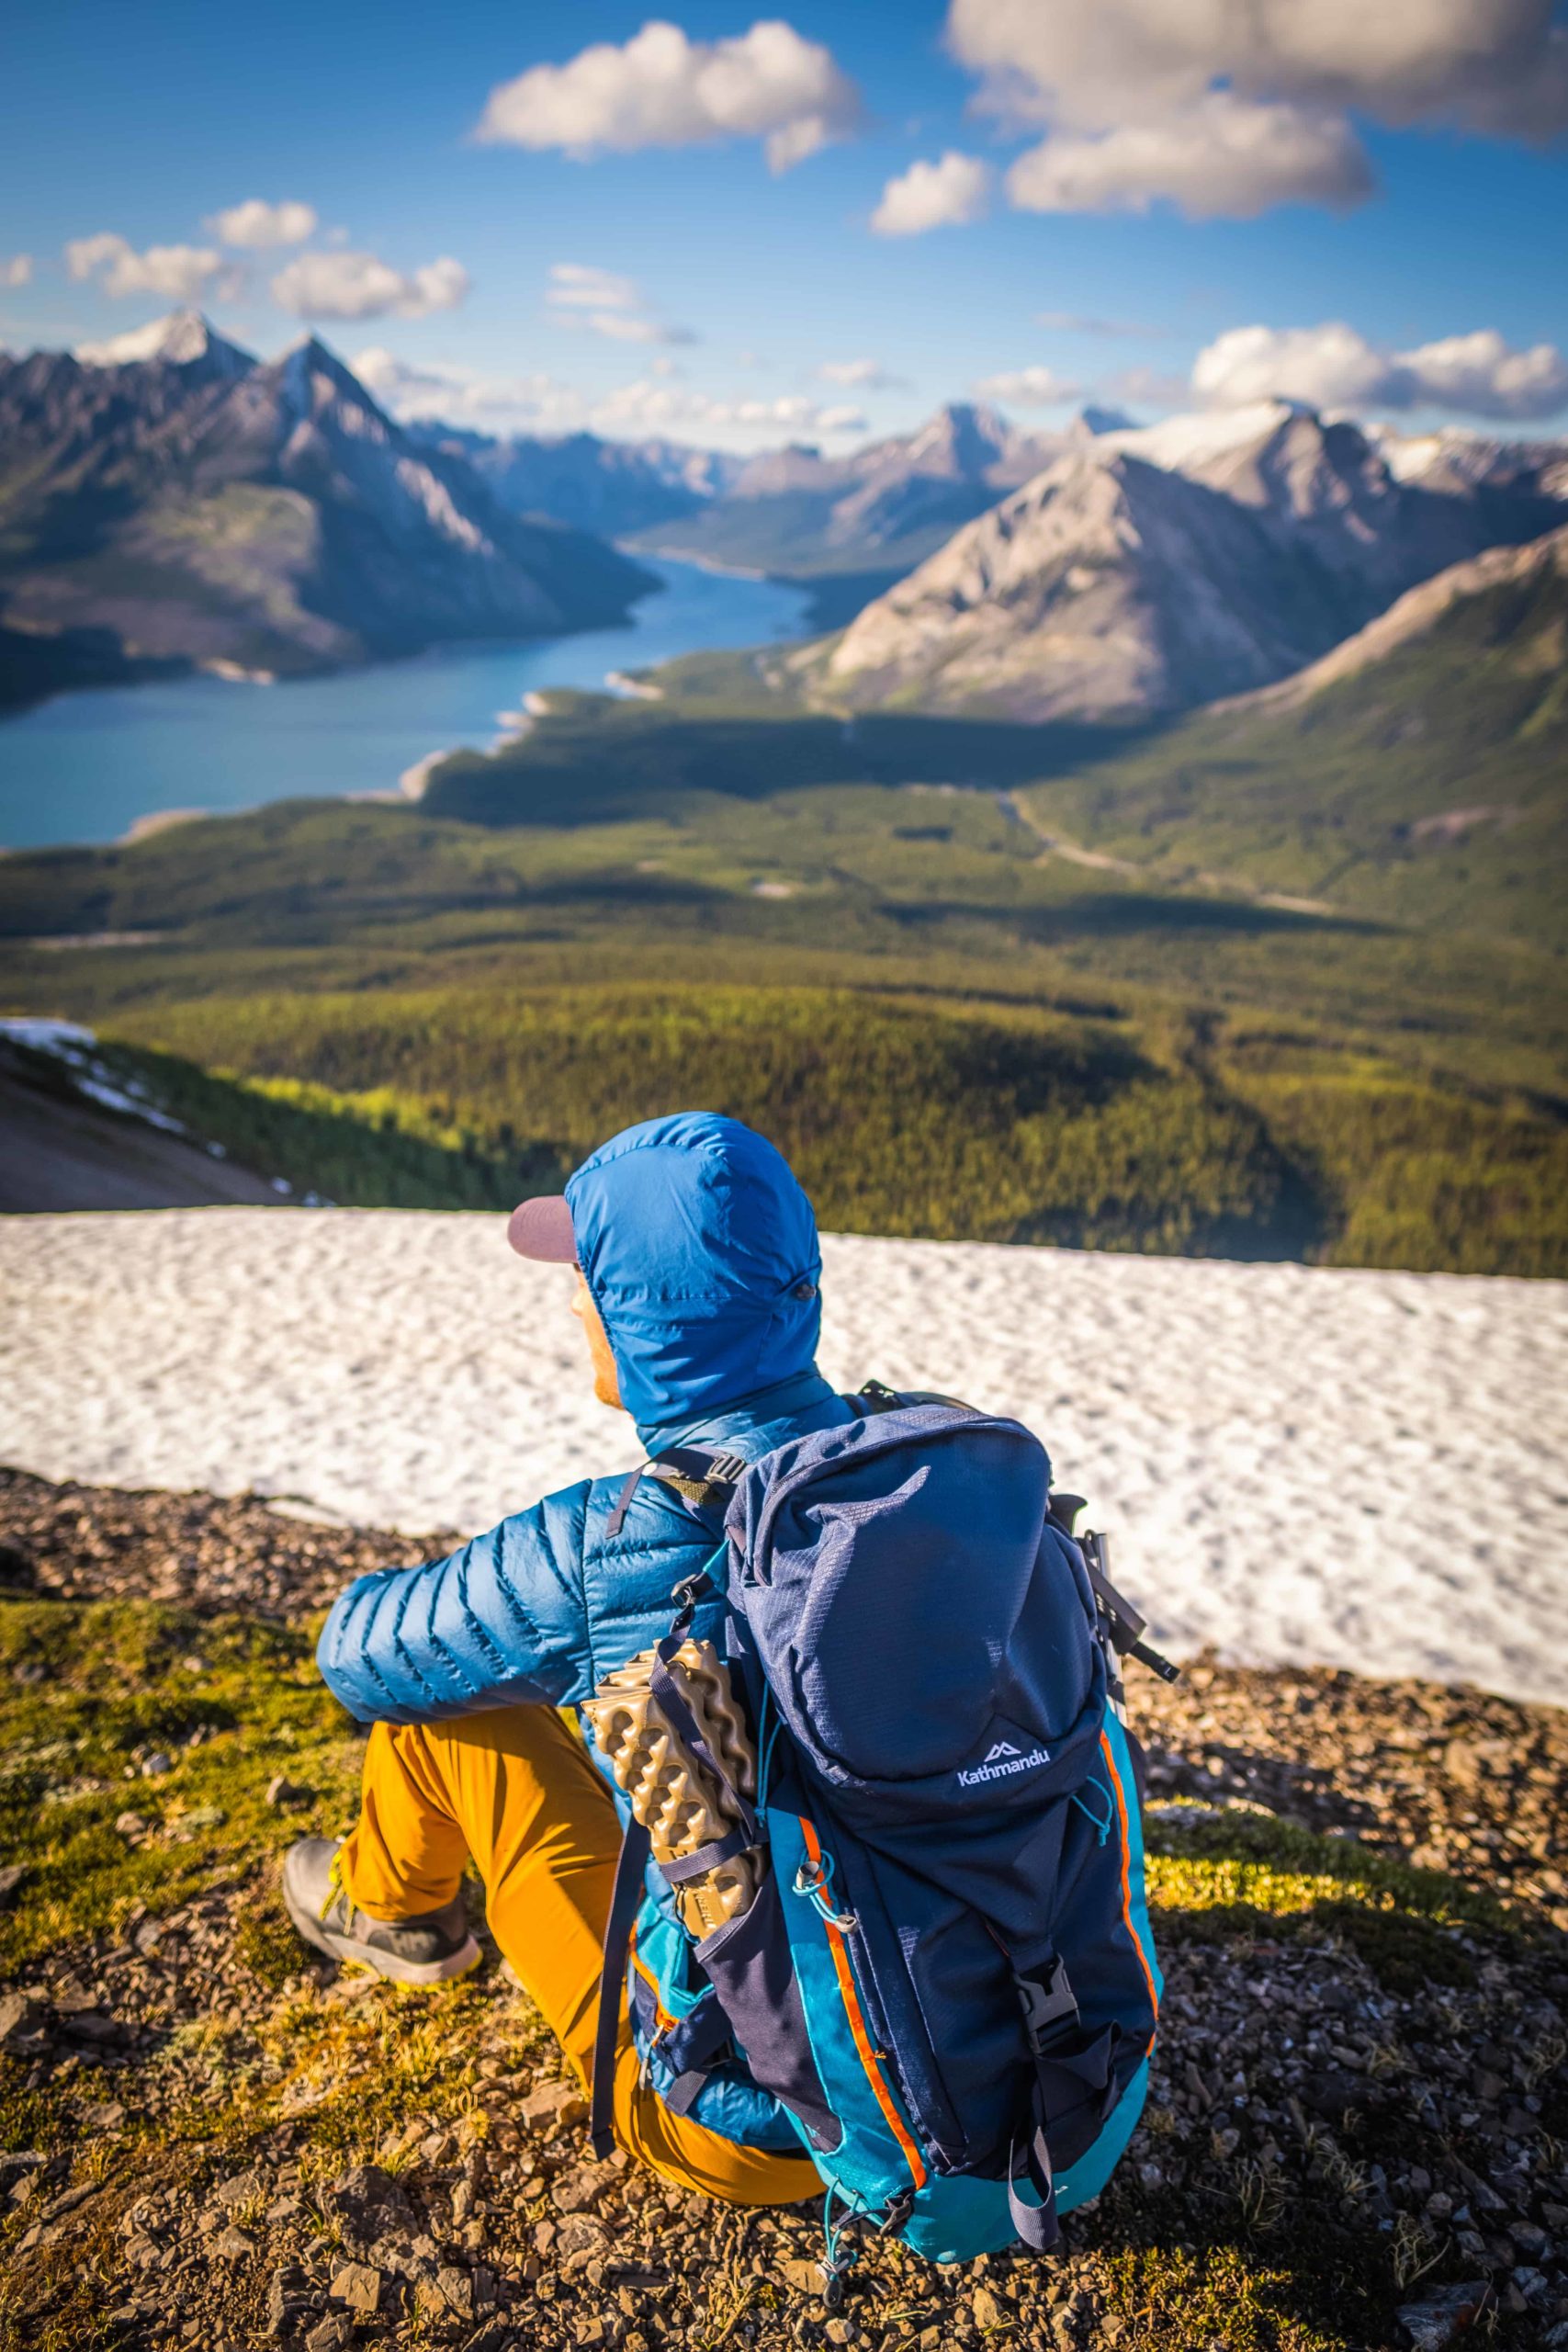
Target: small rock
<point>131,1824</point>
<point>13,1876</point>
<point>1440,2316</point>
<point>576,2190</point>
<point>457,2290</point>
<point>241,2189</point>
<point>282,2297</point>
<point>233,2244</point>
<point>554,2103</point>
<point>985,2308</point>
<point>359,2287</point>
<point>579,2235</point>
<point>840,2331</point>
<point>805,2278</point>
<point>155,1767</point>
<point>94,2025</point>
<point>328,2335</point>
<point>21,2018</point>
<point>366,2185</point>
<point>286,1793</point>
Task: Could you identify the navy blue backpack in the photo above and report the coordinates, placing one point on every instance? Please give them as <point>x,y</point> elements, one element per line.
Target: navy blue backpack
<point>947,1977</point>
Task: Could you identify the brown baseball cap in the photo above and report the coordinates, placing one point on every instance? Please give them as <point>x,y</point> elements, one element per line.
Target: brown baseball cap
<point>541,1228</point>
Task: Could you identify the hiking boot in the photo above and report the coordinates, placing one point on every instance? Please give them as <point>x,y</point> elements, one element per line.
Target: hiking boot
<point>426,1951</point>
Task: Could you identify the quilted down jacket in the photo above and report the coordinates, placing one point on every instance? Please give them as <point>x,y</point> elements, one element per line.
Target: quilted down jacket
<point>700,1250</point>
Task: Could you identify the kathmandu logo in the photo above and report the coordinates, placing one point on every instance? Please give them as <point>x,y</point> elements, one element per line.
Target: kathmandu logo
<point>1002,1761</point>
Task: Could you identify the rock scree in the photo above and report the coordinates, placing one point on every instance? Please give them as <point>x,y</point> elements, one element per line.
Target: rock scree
<point>1358,2128</point>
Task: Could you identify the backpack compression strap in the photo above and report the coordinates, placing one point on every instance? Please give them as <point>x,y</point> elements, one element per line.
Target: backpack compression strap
<point>631,1869</point>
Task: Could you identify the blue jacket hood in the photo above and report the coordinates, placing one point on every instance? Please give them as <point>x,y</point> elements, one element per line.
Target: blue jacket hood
<point>700,1251</point>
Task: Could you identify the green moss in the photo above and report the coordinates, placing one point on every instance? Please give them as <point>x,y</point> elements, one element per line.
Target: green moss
<point>1186,2300</point>
<point>116,1688</point>
<point>1245,1873</point>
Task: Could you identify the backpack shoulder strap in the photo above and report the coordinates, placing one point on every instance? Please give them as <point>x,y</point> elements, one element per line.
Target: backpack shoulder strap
<point>706,1480</point>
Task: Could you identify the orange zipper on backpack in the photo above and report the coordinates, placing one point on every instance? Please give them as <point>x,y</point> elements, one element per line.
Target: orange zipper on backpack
<point>867,2055</point>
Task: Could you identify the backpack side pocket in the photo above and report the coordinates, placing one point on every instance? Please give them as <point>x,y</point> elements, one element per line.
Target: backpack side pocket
<point>752,1969</point>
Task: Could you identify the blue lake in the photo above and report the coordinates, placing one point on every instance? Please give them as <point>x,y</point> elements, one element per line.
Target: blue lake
<point>85,766</point>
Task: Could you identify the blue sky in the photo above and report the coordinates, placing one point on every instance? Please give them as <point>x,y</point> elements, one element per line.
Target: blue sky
<point>1377,225</point>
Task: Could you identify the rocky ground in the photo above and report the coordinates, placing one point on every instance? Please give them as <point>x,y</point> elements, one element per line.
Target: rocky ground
<point>1356,2137</point>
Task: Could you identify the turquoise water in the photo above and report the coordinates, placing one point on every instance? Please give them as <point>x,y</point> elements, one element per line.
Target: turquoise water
<point>85,766</point>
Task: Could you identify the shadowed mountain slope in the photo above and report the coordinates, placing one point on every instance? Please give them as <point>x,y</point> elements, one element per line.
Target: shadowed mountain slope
<point>173,499</point>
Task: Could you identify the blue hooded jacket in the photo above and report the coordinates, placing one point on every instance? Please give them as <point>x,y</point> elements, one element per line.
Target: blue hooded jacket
<point>701,1254</point>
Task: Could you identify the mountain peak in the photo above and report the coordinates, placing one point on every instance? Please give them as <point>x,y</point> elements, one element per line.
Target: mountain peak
<point>962,435</point>
<point>185,338</point>
<point>1192,439</point>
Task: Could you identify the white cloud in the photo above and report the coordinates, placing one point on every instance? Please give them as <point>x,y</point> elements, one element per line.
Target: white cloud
<point>1224,157</point>
<point>361,286</point>
<point>533,403</point>
<point>954,189</point>
<point>1029,388</point>
<point>1335,367</point>
<point>1480,375</point>
<point>655,404</point>
<point>255,224</point>
<point>648,406</point>
<point>16,270</point>
<point>1233,105</point>
<point>661,89</point>
<point>176,273</point>
<point>606,304</point>
<point>574,285</point>
<point>858,375</point>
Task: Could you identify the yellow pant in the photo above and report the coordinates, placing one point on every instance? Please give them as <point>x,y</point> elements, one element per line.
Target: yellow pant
<point>516,1790</point>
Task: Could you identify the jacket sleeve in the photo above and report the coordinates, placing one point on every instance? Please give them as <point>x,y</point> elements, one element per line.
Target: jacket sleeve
<point>500,1621</point>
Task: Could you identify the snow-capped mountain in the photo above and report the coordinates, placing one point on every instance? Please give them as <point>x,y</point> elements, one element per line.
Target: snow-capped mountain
<point>185,339</point>
<point>1145,570</point>
<point>168,497</point>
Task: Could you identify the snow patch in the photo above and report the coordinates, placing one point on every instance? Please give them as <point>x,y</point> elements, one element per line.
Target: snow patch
<point>1297,1463</point>
<point>1180,441</point>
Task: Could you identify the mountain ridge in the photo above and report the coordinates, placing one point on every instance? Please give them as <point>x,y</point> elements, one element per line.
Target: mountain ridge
<point>1147,571</point>
<point>179,501</point>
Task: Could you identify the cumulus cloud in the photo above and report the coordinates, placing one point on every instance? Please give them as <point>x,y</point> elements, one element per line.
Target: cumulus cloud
<point>858,375</point>
<point>651,406</point>
<point>607,304</point>
<point>655,403</point>
<point>175,273</point>
<point>1242,104</point>
<point>15,269</point>
<point>257,225</point>
<point>661,89</point>
<point>1029,388</point>
<point>954,189</point>
<point>1226,157</point>
<point>362,286</point>
<point>1335,367</point>
<point>527,403</point>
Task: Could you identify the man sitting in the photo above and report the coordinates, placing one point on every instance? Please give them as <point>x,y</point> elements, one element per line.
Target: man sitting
<point>698,1269</point>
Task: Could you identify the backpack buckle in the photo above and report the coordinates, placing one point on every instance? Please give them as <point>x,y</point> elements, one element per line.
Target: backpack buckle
<point>1049,2004</point>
